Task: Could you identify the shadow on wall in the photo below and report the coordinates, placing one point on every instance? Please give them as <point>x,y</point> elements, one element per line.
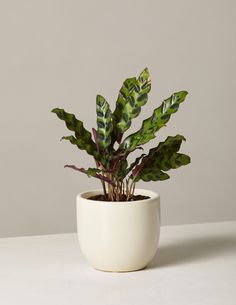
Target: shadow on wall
<point>192,250</point>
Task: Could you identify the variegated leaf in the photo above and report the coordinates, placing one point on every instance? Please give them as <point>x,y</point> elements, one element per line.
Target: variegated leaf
<point>153,174</point>
<point>82,138</point>
<point>151,125</point>
<point>161,158</point>
<point>104,122</point>
<point>132,96</point>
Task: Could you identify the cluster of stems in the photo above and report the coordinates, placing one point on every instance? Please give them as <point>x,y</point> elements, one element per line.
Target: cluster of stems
<point>116,188</point>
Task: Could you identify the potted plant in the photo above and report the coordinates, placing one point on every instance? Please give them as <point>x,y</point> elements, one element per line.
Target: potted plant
<point>118,225</point>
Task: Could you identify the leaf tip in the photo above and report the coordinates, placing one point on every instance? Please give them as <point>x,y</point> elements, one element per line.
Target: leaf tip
<point>145,75</point>
<point>188,159</point>
<point>184,93</point>
<point>99,97</point>
<point>181,137</point>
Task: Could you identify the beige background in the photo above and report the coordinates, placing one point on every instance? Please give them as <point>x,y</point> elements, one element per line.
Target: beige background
<point>62,53</point>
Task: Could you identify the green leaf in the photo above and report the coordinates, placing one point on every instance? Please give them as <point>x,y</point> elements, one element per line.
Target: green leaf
<point>153,174</point>
<point>161,158</point>
<point>104,122</point>
<point>132,96</point>
<point>151,125</point>
<point>83,138</point>
<point>92,171</point>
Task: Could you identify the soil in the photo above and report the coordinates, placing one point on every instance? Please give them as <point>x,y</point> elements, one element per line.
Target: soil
<point>101,197</point>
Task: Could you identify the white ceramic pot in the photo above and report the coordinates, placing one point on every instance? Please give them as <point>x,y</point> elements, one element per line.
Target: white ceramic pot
<point>118,236</point>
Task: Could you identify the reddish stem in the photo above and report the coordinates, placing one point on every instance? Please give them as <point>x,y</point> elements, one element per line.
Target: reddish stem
<point>96,175</point>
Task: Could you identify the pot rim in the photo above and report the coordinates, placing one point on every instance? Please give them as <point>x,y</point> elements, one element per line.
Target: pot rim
<point>138,191</point>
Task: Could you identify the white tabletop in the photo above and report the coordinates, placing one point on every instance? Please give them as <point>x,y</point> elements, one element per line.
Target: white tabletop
<point>195,264</point>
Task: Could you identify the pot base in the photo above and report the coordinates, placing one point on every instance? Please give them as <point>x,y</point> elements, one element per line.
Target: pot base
<point>120,271</point>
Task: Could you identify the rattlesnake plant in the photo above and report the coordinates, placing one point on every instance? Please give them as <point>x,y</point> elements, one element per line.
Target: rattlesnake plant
<point>118,178</point>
